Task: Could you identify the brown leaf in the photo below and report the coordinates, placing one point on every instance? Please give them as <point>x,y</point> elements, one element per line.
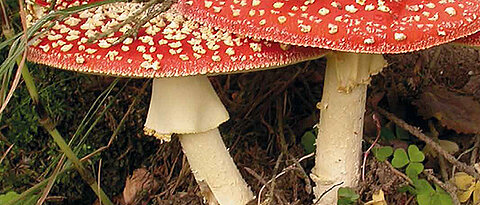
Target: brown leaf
<point>473,86</point>
<point>138,186</point>
<point>456,112</point>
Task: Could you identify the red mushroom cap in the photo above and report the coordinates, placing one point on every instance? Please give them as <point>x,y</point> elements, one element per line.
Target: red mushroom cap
<point>166,46</point>
<point>365,26</point>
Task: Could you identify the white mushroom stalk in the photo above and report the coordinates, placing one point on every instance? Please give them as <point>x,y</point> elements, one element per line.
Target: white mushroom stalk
<point>366,26</point>
<point>340,131</point>
<point>190,107</point>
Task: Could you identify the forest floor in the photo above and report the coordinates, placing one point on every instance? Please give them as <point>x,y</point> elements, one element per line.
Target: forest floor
<point>271,112</point>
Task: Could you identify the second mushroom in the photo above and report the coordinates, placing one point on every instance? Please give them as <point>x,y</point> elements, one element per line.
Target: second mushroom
<point>179,54</point>
<point>360,31</point>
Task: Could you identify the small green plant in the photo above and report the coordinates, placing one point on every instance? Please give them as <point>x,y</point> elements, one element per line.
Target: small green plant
<point>347,196</point>
<point>412,160</point>
<point>308,140</point>
<point>427,195</point>
<point>9,196</point>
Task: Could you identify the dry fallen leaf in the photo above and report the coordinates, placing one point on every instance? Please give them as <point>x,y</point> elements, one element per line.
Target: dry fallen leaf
<point>466,185</point>
<point>454,111</point>
<point>378,198</point>
<point>449,146</point>
<point>138,186</point>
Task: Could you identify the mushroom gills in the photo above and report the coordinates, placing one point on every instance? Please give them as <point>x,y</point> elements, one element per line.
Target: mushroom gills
<point>340,129</point>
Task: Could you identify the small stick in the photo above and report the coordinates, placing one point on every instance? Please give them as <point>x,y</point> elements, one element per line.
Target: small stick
<point>473,157</point>
<point>365,155</point>
<point>418,133</point>
<point>284,171</point>
<point>308,185</point>
<point>452,190</point>
<point>272,184</point>
<point>326,191</point>
<point>120,125</point>
<point>441,159</point>
<point>98,180</point>
<point>399,173</point>
<point>6,153</point>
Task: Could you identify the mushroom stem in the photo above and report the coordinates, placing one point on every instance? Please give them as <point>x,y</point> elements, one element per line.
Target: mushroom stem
<point>190,107</point>
<point>211,164</point>
<point>340,130</point>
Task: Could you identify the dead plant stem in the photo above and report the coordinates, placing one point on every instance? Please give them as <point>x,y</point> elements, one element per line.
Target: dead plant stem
<point>473,157</point>
<point>452,190</point>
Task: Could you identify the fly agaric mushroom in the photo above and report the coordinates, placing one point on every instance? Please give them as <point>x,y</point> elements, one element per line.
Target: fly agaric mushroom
<point>179,53</point>
<point>361,30</point>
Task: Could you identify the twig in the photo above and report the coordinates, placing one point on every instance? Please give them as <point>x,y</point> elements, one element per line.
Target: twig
<point>153,8</point>
<point>284,171</point>
<point>308,185</point>
<point>476,146</point>
<point>452,190</point>
<point>326,191</point>
<point>274,91</point>
<point>120,124</point>
<point>435,146</point>
<point>257,176</point>
<point>399,173</point>
<point>51,181</point>
<point>273,180</point>
<point>441,159</point>
<point>365,155</point>
<point>98,179</point>
<point>6,153</point>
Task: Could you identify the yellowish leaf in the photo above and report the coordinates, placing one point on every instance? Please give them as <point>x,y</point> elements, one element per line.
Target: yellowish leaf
<point>463,181</point>
<point>476,193</point>
<point>378,198</point>
<point>465,184</point>
<point>464,195</point>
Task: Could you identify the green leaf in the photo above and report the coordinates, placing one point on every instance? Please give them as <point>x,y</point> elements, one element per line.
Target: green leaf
<point>424,199</point>
<point>11,195</point>
<point>4,198</point>
<point>308,141</point>
<point>400,158</point>
<point>442,197</point>
<point>415,154</point>
<point>347,196</point>
<point>414,169</point>
<point>423,187</point>
<point>401,133</point>
<point>387,133</point>
<point>382,153</point>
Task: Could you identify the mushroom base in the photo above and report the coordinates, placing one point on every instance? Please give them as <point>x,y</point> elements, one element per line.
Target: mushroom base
<point>340,129</point>
<point>212,165</point>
